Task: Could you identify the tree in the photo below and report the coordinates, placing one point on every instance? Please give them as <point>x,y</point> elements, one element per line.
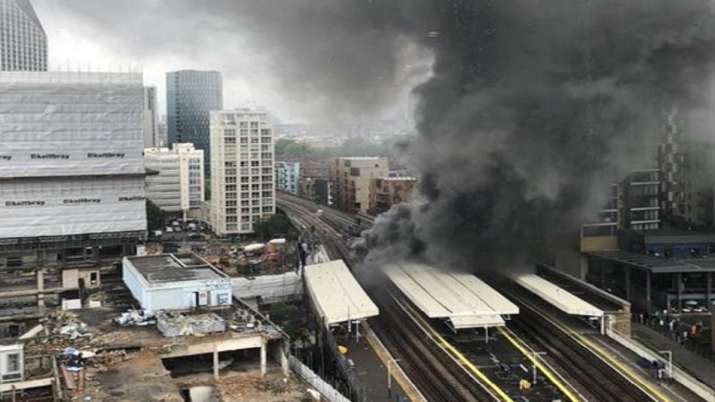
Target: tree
<point>277,225</point>
<point>155,217</point>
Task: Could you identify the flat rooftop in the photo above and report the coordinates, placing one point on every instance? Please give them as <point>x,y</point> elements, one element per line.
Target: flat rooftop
<point>166,268</point>
<point>657,265</point>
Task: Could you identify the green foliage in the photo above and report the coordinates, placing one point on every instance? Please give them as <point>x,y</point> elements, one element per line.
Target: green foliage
<point>290,318</point>
<point>155,217</point>
<point>276,226</point>
<point>287,149</point>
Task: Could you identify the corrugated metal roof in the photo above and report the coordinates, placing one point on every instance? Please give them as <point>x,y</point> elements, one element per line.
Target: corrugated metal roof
<point>337,294</point>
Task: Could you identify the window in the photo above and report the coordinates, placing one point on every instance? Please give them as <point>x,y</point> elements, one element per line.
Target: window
<point>13,363</point>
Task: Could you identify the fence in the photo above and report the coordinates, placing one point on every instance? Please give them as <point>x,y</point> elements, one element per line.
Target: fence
<point>315,381</point>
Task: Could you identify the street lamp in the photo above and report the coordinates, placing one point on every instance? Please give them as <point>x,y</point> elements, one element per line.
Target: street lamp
<point>669,353</point>
<point>389,377</point>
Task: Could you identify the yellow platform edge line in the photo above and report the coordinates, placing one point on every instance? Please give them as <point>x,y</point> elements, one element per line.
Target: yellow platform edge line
<point>459,356</point>
<point>547,372</point>
<point>630,374</point>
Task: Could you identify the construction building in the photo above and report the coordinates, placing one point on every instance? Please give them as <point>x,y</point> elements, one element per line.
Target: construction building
<point>71,183</point>
<point>23,42</point>
<point>242,170</point>
<point>178,183</point>
<point>350,178</point>
<point>388,191</point>
<point>287,176</point>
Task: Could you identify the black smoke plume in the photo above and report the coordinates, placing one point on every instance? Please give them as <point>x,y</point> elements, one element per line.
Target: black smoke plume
<point>533,108</point>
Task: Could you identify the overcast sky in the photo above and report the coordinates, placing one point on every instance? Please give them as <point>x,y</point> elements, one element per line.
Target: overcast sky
<point>280,54</point>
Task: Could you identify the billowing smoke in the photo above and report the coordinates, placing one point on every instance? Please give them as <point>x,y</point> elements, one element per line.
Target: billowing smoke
<point>532,107</point>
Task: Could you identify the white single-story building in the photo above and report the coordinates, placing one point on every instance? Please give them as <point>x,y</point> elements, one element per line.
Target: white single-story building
<point>170,282</point>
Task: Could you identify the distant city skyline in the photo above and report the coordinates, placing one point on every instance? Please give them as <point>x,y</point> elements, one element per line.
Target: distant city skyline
<point>80,37</point>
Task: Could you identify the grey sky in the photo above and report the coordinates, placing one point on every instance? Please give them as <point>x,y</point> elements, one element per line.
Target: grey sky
<point>303,59</point>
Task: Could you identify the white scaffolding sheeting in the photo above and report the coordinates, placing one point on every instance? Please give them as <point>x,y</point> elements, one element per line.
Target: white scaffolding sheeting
<point>562,299</point>
<point>460,297</point>
<point>336,294</point>
<point>70,124</point>
<point>71,154</point>
<point>69,206</point>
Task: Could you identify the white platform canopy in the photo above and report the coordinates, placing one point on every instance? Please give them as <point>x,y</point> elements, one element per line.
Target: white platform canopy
<point>560,298</point>
<point>462,298</point>
<point>336,294</point>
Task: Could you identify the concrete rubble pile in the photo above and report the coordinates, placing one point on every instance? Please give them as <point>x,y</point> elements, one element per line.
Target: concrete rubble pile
<point>66,325</point>
<point>137,318</point>
<point>172,324</point>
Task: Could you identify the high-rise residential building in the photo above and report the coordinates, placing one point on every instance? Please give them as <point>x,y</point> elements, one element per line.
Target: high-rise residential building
<point>687,178</point>
<point>641,192</point>
<point>176,179</point>
<point>242,170</point>
<point>151,131</point>
<point>71,184</point>
<point>23,42</point>
<point>190,97</point>
<point>287,176</point>
<point>351,181</point>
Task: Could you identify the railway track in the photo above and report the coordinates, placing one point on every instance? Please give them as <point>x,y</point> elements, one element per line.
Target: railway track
<point>597,379</point>
<point>438,377</point>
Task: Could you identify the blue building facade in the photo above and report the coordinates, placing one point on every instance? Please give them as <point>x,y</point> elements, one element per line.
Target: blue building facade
<point>287,176</point>
<point>190,97</point>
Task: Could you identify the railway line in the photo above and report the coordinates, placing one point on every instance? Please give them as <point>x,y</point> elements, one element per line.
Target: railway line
<point>434,372</point>
<point>590,376</point>
<point>597,380</point>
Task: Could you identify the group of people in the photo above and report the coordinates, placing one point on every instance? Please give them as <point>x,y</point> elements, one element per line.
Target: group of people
<point>671,325</point>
